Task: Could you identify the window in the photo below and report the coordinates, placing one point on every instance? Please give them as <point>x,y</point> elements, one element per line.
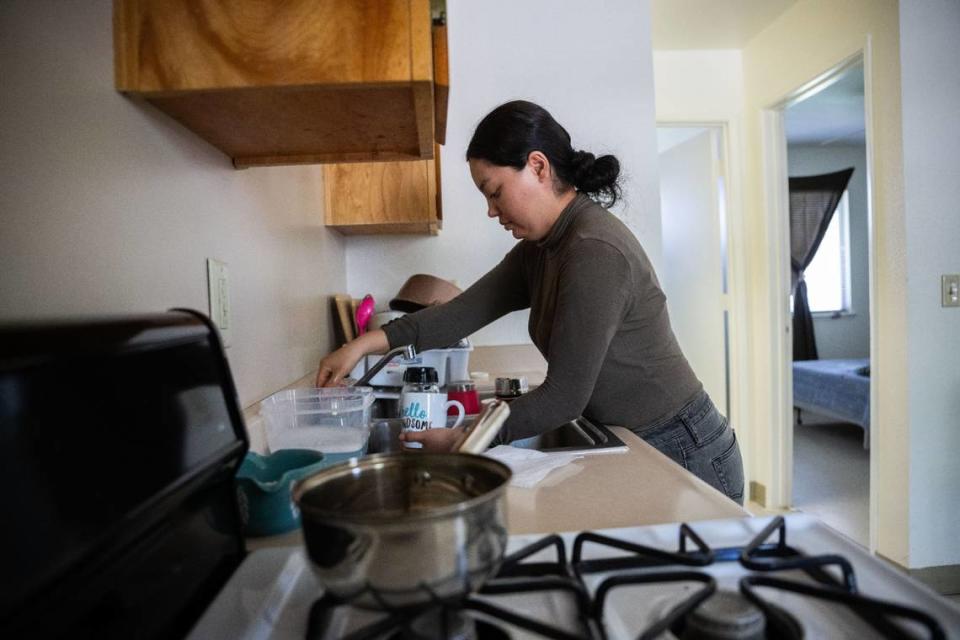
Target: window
<point>828,276</point>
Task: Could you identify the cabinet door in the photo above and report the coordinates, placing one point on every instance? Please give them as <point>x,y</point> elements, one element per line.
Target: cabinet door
<point>383,197</point>
<point>441,82</point>
<point>182,45</point>
<point>293,82</point>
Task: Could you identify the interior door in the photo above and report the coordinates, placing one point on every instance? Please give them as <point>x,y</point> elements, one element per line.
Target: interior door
<point>694,272</point>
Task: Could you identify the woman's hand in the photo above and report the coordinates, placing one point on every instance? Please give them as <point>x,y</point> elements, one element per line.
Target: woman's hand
<point>434,440</point>
<point>336,366</point>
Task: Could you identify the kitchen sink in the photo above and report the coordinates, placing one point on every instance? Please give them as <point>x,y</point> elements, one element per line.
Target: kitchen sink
<point>386,405</point>
<point>576,436</point>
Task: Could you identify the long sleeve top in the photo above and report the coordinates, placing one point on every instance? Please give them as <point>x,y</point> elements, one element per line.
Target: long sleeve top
<point>597,314</point>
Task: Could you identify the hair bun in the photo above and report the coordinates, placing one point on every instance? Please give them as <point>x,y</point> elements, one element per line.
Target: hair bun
<point>597,176</point>
<point>582,164</point>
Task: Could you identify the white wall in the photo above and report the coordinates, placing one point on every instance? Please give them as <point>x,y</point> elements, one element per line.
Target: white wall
<point>929,51</point>
<point>698,85</point>
<point>847,336</point>
<point>692,277</point>
<point>590,65</point>
<point>705,86</point>
<point>109,206</point>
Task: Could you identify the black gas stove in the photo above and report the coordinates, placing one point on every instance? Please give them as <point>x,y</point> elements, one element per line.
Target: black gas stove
<point>119,442</point>
<point>601,567</point>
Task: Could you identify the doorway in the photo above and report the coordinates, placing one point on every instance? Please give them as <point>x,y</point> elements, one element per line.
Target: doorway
<point>825,263</point>
<point>695,270</point>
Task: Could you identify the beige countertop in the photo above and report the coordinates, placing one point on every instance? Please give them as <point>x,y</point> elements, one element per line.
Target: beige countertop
<point>509,361</point>
<point>605,490</point>
<point>601,491</point>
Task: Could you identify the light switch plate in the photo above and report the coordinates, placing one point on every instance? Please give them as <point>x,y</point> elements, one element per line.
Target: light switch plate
<point>218,292</point>
<point>950,290</point>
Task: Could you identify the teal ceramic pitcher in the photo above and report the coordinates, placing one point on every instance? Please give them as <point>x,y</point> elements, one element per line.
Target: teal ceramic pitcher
<point>263,488</point>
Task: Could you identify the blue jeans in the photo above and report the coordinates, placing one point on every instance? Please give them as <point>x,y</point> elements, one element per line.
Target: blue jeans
<point>700,439</point>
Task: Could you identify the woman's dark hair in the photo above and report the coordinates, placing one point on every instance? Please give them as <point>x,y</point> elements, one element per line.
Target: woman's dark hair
<point>507,135</point>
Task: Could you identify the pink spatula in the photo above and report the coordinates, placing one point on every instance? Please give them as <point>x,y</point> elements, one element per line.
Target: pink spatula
<point>364,311</point>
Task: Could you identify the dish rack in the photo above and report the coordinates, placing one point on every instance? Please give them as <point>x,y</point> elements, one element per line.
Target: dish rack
<point>452,364</point>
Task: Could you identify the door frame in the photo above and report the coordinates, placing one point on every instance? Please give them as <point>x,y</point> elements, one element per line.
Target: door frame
<point>738,382</point>
<point>776,200</point>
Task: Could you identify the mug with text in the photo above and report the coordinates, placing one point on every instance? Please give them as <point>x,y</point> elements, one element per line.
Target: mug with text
<point>424,410</point>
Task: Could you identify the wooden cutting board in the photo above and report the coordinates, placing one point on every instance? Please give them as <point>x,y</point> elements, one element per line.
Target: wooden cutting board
<point>354,304</point>
<point>343,304</point>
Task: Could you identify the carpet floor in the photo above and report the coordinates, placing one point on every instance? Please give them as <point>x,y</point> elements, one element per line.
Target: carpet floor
<point>831,475</point>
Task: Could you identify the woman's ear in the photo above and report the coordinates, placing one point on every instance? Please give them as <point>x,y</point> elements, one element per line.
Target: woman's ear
<point>540,165</point>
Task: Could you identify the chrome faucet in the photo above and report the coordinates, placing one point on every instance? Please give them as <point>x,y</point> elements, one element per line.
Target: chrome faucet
<point>409,353</point>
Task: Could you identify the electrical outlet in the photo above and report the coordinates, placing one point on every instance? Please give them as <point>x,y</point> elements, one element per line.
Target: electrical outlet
<point>950,290</point>
<point>218,291</point>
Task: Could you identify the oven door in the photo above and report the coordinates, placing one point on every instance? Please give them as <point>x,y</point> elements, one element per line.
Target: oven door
<point>120,442</point>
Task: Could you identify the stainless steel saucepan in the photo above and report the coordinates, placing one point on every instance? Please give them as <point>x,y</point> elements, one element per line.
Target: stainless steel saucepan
<point>403,529</point>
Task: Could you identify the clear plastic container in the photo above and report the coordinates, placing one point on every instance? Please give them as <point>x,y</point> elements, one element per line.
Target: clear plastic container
<point>334,420</point>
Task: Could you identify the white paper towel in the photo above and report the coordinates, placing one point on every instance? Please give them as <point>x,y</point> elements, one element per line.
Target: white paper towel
<point>529,466</point>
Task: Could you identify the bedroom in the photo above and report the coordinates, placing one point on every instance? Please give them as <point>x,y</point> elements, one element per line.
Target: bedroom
<point>829,213</point>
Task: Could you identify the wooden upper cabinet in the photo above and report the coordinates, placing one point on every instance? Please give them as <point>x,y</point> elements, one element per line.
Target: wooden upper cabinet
<point>384,197</point>
<point>292,82</point>
<point>441,82</point>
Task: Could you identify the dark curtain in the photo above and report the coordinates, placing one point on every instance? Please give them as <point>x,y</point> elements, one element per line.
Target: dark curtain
<point>813,200</point>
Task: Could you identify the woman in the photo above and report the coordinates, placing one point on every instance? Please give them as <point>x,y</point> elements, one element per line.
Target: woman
<point>596,309</point>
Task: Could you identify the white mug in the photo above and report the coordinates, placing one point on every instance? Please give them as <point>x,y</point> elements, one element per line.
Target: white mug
<point>421,411</point>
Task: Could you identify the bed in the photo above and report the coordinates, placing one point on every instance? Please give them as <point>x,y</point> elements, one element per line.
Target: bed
<point>835,388</point>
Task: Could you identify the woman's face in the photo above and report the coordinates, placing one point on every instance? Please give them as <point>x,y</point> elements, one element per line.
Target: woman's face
<point>518,198</point>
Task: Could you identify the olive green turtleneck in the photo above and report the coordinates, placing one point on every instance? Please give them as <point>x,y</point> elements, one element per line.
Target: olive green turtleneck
<point>597,315</point>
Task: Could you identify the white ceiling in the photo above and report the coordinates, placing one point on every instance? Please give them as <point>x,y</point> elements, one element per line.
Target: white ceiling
<point>711,24</point>
<point>832,116</point>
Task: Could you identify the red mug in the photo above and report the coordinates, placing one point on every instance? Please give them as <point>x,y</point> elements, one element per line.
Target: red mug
<point>464,392</point>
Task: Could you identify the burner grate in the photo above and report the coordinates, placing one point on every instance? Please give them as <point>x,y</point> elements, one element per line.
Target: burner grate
<point>514,577</point>
<point>643,556</point>
<point>759,555</point>
<point>766,558</point>
<point>676,614</point>
<point>517,576</point>
<point>876,613</point>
